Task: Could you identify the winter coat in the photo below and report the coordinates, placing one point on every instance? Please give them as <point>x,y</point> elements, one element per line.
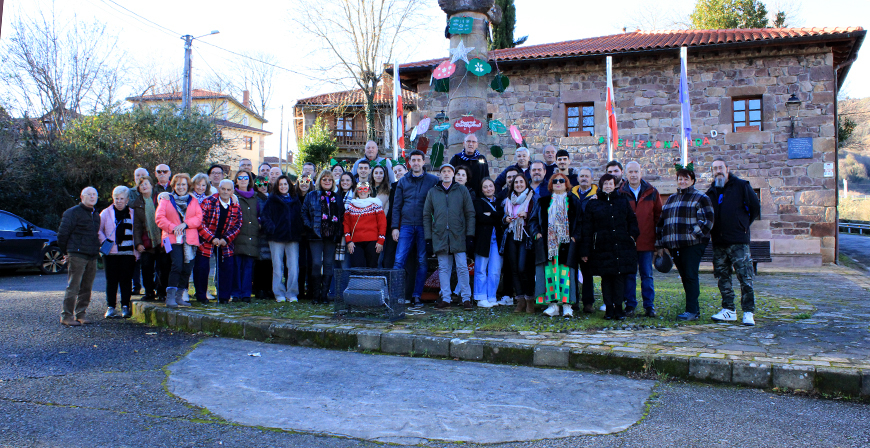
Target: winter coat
<point>609,234</point>
<point>378,159</point>
<point>648,209</point>
<point>208,231</point>
<point>735,207</point>
<point>312,216</point>
<point>478,169</point>
<point>365,220</point>
<point>485,221</point>
<point>108,228</point>
<point>78,233</point>
<point>448,218</point>
<point>247,241</point>
<point>262,241</point>
<point>687,218</point>
<point>282,221</point>
<point>140,225</point>
<point>411,191</point>
<point>167,219</point>
<point>568,252</point>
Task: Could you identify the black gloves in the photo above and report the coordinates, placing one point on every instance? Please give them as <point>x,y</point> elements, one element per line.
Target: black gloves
<point>430,249</point>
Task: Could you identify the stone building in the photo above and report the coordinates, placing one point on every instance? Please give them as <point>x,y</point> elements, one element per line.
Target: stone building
<point>751,91</point>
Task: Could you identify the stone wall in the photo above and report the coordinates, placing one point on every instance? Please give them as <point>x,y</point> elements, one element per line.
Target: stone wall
<point>798,203</point>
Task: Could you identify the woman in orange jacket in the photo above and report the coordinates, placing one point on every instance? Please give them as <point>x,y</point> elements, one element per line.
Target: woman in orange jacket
<point>180,236</point>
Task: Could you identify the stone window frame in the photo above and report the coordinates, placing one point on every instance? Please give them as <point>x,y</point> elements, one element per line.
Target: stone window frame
<point>747,127</point>
<point>248,143</point>
<point>580,106</point>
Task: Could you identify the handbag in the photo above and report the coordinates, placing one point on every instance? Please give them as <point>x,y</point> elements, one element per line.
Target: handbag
<point>106,247</point>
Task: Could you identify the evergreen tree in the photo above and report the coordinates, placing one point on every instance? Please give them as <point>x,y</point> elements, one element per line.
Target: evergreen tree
<point>729,14</point>
<point>503,33</point>
<point>318,145</point>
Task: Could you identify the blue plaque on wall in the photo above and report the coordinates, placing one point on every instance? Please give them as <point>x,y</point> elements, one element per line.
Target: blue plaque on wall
<point>800,148</point>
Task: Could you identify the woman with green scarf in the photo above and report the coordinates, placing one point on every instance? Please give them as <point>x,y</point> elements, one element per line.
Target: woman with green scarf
<point>146,234</point>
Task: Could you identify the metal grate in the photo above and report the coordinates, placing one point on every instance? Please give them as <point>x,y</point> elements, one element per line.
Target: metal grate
<point>369,294</point>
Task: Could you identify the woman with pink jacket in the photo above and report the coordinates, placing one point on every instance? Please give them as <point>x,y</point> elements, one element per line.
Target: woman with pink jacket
<point>181,235</point>
<point>116,227</point>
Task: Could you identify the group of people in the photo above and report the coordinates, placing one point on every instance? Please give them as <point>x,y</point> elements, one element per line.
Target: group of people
<point>538,233</point>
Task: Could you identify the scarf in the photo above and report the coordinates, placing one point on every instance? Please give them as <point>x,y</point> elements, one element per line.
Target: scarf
<point>199,197</point>
<point>515,205</point>
<point>151,221</point>
<point>557,227</point>
<point>246,194</point>
<point>363,203</point>
<point>328,215</point>
<point>470,158</point>
<point>181,203</point>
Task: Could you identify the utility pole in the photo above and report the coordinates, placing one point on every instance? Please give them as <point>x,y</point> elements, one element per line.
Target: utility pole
<point>185,89</point>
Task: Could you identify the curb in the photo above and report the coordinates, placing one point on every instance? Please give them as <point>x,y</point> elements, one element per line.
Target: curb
<point>826,380</point>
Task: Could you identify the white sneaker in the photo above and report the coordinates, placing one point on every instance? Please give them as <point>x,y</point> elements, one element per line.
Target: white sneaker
<point>280,299</point>
<point>552,310</point>
<point>603,308</point>
<point>567,311</point>
<point>748,320</point>
<point>293,299</point>
<point>485,304</point>
<point>110,313</point>
<point>207,296</point>
<point>506,301</point>
<point>726,316</point>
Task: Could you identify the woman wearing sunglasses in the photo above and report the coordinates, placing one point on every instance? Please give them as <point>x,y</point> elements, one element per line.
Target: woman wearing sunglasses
<point>247,247</point>
<point>365,228</point>
<point>557,233</point>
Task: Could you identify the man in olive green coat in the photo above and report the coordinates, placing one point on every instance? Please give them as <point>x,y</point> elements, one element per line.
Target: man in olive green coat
<point>448,224</point>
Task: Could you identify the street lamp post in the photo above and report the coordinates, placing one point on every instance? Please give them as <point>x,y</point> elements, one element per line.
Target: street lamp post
<point>186,84</point>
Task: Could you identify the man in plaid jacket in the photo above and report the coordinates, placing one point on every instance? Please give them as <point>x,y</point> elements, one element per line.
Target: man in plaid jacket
<point>221,223</point>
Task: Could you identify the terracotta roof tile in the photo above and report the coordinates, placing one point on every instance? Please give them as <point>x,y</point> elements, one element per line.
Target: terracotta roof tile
<point>197,94</point>
<point>648,41</point>
<point>383,95</point>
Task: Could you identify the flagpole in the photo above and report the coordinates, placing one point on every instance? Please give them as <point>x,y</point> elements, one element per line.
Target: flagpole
<point>612,105</point>
<point>685,118</point>
<point>396,92</point>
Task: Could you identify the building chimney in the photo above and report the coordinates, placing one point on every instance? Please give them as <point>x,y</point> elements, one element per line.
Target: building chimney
<point>246,99</point>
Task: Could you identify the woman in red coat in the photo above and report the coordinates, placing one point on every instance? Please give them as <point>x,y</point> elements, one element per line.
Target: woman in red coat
<point>365,226</point>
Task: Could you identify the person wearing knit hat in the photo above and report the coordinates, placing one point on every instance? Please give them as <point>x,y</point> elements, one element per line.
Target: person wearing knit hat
<point>365,227</point>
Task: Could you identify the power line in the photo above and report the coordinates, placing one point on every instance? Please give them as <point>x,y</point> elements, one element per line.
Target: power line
<point>143,18</point>
<point>257,60</point>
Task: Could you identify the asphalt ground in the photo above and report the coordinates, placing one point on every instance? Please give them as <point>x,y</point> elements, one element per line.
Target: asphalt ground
<point>106,385</point>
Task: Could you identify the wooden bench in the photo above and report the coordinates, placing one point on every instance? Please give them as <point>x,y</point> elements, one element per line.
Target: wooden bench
<point>758,250</point>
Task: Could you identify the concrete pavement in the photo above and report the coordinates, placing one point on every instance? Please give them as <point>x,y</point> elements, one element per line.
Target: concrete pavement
<point>401,400</point>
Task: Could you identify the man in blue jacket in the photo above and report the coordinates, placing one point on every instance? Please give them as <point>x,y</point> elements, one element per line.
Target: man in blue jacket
<point>407,211</point>
<point>735,207</point>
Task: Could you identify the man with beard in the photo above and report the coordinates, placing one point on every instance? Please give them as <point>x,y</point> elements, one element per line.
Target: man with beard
<point>537,173</point>
<point>614,168</point>
<point>478,166</point>
<point>735,207</point>
<point>563,165</point>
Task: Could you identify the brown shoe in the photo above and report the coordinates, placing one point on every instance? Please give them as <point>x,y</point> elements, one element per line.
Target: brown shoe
<point>521,304</point>
<point>588,309</point>
<point>530,305</point>
<point>70,322</point>
<point>83,321</point>
<point>468,305</point>
<point>440,305</point>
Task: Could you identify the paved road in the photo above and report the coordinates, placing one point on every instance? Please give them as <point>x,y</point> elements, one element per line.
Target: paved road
<point>856,247</point>
<point>105,385</point>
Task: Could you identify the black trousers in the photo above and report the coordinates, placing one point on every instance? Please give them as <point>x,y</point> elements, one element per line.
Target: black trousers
<point>364,255</point>
<point>522,263</point>
<point>322,263</point>
<point>613,293</point>
<point>262,278</point>
<point>305,280</point>
<point>163,265</point>
<point>587,291</point>
<point>148,265</point>
<point>119,274</point>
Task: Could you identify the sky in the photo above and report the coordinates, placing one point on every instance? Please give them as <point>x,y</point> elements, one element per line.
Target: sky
<point>267,26</point>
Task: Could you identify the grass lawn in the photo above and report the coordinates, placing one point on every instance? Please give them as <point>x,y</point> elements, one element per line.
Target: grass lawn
<point>669,302</point>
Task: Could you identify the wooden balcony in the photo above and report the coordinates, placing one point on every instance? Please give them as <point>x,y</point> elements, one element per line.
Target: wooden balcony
<point>354,140</point>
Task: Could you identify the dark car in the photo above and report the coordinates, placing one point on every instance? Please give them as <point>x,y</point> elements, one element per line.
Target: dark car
<point>23,245</point>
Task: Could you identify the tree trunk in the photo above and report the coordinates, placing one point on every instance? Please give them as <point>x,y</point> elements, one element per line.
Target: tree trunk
<point>370,110</point>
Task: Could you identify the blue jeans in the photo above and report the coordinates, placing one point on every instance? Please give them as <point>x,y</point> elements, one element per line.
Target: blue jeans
<point>223,276</point>
<point>243,276</point>
<point>487,272</point>
<point>647,287</point>
<point>408,237</point>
